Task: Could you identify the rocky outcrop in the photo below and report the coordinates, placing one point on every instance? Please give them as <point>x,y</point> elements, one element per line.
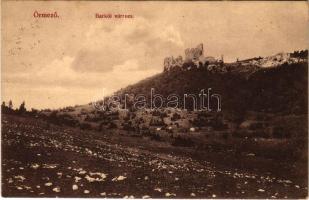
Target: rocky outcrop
<point>193,54</point>
<point>194,57</point>
<point>276,60</point>
<point>208,60</point>
<point>170,63</point>
<point>272,61</point>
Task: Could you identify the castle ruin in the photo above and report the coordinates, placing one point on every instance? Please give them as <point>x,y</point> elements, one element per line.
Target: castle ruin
<point>194,57</point>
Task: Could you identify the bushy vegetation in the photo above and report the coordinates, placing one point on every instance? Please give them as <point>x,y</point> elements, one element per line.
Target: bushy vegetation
<point>300,54</point>
<point>176,117</point>
<point>185,142</point>
<point>8,109</point>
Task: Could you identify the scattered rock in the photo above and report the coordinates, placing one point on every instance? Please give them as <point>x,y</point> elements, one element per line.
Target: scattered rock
<point>35,166</point>
<point>158,189</point>
<point>74,187</point>
<point>48,184</point>
<point>20,178</point>
<point>167,194</point>
<point>49,166</point>
<point>56,189</point>
<point>77,179</point>
<point>119,178</point>
<point>82,172</point>
<point>98,177</point>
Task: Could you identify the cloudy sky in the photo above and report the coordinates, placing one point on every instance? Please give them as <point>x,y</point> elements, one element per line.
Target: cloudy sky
<point>77,58</point>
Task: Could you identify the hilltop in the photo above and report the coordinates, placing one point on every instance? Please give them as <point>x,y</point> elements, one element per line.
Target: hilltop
<point>195,58</point>
<point>243,86</point>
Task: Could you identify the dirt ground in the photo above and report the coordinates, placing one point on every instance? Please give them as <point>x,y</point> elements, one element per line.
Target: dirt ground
<point>44,160</point>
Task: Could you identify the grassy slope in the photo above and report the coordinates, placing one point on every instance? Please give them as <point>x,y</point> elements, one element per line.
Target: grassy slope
<point>280,89</point>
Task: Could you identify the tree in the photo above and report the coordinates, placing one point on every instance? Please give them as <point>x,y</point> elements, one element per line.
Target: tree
<point>34,112</point>
<point>3,107</point>
<point>10,105</point>
<point>22,108</point>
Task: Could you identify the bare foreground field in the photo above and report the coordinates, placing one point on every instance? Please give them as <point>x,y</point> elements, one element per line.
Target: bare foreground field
<point>44,160</point>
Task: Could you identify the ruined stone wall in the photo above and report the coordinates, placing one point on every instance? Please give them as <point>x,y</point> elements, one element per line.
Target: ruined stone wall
<point>192,55</point>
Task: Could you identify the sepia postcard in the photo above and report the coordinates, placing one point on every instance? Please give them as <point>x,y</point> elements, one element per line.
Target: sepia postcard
<point>154,99</point>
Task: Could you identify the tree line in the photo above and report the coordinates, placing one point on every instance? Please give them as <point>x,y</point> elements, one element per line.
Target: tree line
<point>8,108</point>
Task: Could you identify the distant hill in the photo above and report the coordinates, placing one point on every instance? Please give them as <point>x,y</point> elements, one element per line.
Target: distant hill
<point>243,86</point>
<point>277,89</point>
<point>275,83</point>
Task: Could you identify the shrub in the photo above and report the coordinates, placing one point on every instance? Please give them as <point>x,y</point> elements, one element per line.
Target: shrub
<point>22,108</point>
<point>85,126</point>
<point>261,134</point>
<point>68,120</point>
<point>199,121</point>
<point>112,125</point>
<point>225,135</point>
<point>185,142</point>
<point>157,122</point>
<point>53,118</point>
<point>280,132</point>
<point>242,134</point>
<point>255,126</point>
<point>175,117</point>
<point>128,126</point>
<point>156,137</point>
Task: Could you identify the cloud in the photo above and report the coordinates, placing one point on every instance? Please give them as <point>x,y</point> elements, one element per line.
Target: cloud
<point>58,69</point>
<point>170,34</point>
<point>107,45</point>
<point>59,74</point>
<point>58,84</point>
<point>128,66</point>
<point>96,60</point>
